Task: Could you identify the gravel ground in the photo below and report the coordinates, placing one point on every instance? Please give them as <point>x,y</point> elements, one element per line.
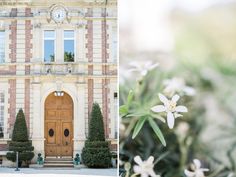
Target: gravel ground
<point>55,172</point>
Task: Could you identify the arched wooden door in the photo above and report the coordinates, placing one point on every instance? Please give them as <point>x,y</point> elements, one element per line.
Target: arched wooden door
<point>58,125</point>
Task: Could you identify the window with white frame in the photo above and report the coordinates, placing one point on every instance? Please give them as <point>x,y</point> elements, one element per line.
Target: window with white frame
<point>2,46</point>
<point>49,46</point>
<point>69,46</point>
<point>1,114</point>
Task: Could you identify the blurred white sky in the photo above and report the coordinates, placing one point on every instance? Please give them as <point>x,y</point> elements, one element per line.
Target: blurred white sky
<point>147,21</point>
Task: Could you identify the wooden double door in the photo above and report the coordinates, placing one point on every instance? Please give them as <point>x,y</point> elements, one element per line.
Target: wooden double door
<point>59,125</point>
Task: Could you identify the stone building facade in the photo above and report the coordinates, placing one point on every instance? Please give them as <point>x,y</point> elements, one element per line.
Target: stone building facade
<point>56,59</point>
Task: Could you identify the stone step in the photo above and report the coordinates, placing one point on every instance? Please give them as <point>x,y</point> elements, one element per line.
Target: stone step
<point>58,162</point>
<point>58,165</point>
<point>58,159</point>
<point>53,161</point>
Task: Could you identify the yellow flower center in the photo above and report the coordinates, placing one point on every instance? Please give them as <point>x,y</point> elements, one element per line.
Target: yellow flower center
<point>171,106</point>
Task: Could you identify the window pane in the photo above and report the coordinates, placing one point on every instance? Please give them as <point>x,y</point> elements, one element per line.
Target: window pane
<point>69,50</point>
<point>69,34</point>
<point>49,50</point>
<point>2,46</point>
<point>49,34</point>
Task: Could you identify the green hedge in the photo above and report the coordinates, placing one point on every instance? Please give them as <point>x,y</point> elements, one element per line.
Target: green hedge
<point>96,157</point>
<point>96,144</point>
<point>23,156</point>
<point>20,142</point>
<point>96,153</point>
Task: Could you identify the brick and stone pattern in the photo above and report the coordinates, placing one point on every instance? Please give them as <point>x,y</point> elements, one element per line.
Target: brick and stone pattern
<point>12,46</point>
<point>28,40</point>
<point>89,36</point>
<point>28,56</point>
<point>90,95</point>
<point>105,69</point>
<point>11,104</point>
<point>27,102</point>
<point>89,56</point>
<point>3,147</point>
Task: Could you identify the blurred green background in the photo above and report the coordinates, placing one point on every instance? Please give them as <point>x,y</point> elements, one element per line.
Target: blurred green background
<point>202,50</point>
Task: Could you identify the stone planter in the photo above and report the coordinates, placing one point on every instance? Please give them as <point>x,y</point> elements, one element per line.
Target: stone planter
<point>113,163</point>
<point>79,166</point>
<point>36,166</point>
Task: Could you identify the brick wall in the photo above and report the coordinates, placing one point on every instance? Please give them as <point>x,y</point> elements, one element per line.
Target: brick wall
<point>89,56</point>
<point>27,102</point>
<point>28,56</point>
<point>105,82</point>
<point>90,95</point>
<point>12,45</point>
<point>12,104</point>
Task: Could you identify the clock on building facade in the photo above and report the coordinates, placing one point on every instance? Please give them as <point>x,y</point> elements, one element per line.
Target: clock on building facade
<point>59,14</point>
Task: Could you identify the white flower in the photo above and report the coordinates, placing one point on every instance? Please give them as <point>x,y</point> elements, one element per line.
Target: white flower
<point>182,129</point>
<point>177,85</point>
<point>142,67</point>
<point>197,170</point>
<point>171,108</point>
<point>144,168</point>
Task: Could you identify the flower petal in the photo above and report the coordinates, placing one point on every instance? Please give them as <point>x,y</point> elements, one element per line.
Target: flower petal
<point>204,169</point>
<point>150,160</point>
<point>176,115</point>
<point>152,173</point>
<point>181,109</point>
<point>170,120</point>
<point>144,72</point>
<point>163,99</point>
<point>197,163</point>
<point>137,169</point>
<point>143,174</point>
<point>158,108</point>
<point>189,173</point>
<point>189,91</point>
<point>151,66</point>
<point>138,160</point>
<point>175,98</point>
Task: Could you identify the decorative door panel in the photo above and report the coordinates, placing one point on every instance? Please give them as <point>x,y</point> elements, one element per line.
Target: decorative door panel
<point>58,125</point>
<point>66,138</point>
<point>51,135</point>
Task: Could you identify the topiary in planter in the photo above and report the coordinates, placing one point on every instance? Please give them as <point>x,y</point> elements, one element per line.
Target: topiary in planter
<point>96,153</point>
<point>77,159</point>
<point>20,142</point>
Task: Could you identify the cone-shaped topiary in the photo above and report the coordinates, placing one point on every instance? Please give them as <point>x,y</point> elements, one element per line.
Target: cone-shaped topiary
<point>96,127</point>
<point>96,153</point>
<point>20,129</point>
<point>20,142</point>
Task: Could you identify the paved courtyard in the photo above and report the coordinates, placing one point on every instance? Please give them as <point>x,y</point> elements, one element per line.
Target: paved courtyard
<point>55,172</point>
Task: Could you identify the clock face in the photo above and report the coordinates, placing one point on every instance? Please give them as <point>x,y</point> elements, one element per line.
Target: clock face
<point>58,15</point>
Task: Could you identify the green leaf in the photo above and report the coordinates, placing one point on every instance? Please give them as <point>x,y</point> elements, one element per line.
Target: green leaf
<point>159,117</point>
<point>123,110</point>
<point>138,114</point>
<point>162,156</point>
<point>138,126</point>
<point>157,130</point>
<point>130,97</point>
